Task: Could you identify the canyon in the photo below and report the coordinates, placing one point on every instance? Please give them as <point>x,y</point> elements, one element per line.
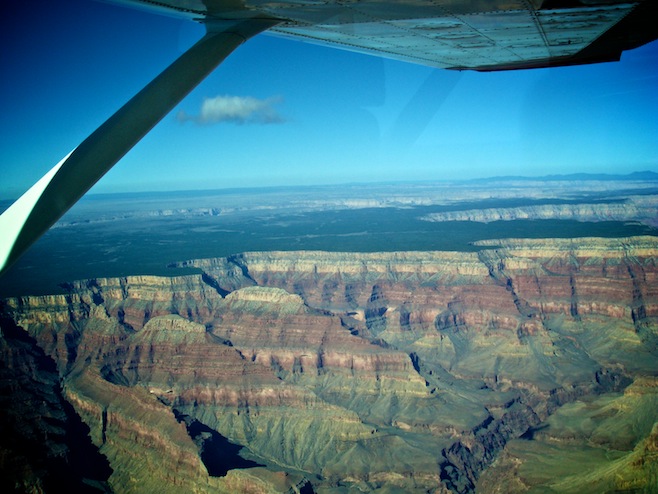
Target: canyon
<point>512,368</point>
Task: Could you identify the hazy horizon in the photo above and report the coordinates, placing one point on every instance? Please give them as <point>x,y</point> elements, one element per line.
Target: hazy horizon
<point>6,201</point>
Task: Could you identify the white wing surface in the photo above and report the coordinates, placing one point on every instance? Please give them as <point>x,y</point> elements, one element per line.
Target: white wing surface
<point>453,34</point>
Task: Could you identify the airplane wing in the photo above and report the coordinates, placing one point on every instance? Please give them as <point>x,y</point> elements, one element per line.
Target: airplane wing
<point>452,34</point>
<point>482,35</point>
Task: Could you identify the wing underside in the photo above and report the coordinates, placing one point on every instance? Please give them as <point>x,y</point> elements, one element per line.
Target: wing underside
<point>453,34</point>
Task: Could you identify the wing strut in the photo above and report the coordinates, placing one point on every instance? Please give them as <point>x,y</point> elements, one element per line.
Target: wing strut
<point>47,200</point>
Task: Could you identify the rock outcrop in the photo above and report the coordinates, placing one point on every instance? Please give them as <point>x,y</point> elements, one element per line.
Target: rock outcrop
<point>411,371</point>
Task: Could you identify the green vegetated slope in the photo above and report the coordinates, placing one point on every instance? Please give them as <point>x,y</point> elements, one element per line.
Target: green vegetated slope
<point>606,444</point>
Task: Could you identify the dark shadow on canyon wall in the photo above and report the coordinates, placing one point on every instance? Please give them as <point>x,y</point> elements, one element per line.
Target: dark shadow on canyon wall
<point>43,443</point>
<point>218,454</point>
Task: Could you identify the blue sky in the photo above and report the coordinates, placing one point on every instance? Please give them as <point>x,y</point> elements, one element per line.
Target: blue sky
<point>330,116</point>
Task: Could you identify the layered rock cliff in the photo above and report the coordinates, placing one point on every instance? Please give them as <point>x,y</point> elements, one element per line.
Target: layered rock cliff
<point>634,208</point>
<point>409,371</point>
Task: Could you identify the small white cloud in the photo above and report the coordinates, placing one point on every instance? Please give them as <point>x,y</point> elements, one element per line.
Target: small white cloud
<point>235,109</point>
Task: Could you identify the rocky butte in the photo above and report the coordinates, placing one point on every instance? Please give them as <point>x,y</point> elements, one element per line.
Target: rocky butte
<point>525,366</point>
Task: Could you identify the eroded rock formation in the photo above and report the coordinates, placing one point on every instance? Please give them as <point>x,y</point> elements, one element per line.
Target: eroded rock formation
<point>411,371</point>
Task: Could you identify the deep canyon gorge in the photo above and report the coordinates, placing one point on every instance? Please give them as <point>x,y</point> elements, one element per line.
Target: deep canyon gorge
<point>526,365</point>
